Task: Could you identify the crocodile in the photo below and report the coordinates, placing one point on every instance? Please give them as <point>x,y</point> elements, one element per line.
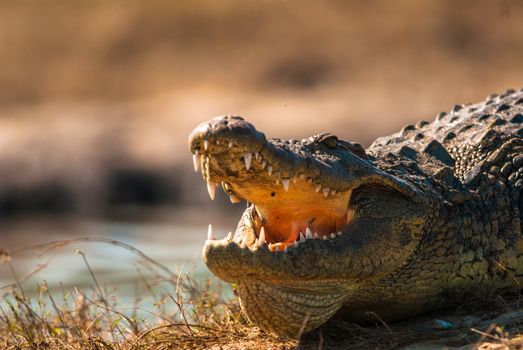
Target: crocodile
<point>420,220</point>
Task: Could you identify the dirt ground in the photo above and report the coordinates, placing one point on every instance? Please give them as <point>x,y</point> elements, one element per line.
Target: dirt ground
<point>451,330</point>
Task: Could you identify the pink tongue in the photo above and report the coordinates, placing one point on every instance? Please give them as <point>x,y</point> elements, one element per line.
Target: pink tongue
<point>280,229</point>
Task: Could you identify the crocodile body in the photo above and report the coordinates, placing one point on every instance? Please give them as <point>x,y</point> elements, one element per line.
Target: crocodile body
<point>420,220</point>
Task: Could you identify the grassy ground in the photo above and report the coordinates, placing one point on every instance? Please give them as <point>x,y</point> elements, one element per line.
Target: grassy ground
<point>190,314</point>
<point>97,97</point>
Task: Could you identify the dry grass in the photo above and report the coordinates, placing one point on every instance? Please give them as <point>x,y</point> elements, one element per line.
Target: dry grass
<point>191,314</point>
<point>187,314</point>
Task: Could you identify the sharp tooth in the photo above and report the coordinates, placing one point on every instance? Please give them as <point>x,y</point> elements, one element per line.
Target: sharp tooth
<point>318,188</point>
<point>257,155</point>
<point>229,237</point>
<point>333,192</point>
<point>308,233</point>
<point>309,180</point>
<point>206,144</point>
<point>234,199</point>
<point>211,188</point>
<point>209,233</point>
<point>324,237</point>
<point>333,235</point>
<point>340,233</point>
<point>247,159</point>
<point>325,192</point>
<point>286,249</point>
<point>264,164</point>
<point>230,144</point>
<point>269,170</point>
<point>316,235</point>
<point>294,179</point>
<point>285,183</point>
<point>196,159</point>
<point>302,237</point>
<point>302,176</point>
<point>217,142</point>
<point>262,235</point>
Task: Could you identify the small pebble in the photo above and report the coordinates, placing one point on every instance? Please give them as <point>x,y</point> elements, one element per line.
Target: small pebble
<point>442,325</point>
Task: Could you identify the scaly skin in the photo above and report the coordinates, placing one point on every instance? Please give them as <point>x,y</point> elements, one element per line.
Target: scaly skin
<point>420,220</point>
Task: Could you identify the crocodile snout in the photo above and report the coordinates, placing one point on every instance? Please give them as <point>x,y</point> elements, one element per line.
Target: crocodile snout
<point>228,132</point>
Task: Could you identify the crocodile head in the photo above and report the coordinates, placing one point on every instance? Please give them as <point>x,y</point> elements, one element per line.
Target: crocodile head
<point>322,220</point>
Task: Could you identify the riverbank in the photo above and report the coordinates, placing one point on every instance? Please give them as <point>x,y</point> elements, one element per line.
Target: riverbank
<point>173,310</point>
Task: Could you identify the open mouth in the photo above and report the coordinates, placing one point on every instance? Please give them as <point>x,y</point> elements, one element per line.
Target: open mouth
<point>289,202</point>
<point>308,201</point>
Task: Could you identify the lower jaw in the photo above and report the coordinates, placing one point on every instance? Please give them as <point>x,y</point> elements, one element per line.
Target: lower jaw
<point>290,310</point>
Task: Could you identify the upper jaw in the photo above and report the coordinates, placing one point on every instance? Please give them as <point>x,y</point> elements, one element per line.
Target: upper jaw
<point>230,147</point>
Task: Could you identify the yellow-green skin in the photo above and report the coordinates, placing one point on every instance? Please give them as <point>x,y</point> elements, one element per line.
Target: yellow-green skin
<point>448,226</point>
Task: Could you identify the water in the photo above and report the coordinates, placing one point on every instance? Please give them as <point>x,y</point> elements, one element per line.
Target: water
<point>176,246</point>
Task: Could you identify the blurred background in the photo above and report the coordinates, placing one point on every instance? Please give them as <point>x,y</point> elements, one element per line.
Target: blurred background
<point>97,99</point>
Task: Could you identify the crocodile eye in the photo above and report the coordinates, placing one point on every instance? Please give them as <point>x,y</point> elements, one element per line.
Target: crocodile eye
<point>329,140</point>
